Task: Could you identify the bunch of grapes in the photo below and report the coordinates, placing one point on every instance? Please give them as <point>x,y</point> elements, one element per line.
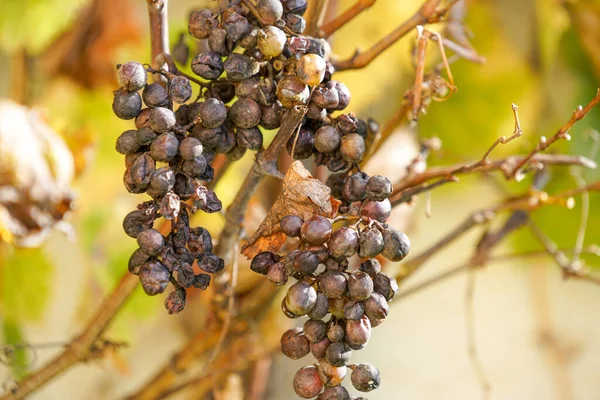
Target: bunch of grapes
<point>342,303</point>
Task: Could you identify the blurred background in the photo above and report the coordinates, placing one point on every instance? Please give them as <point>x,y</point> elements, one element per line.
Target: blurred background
<point>538,336</point>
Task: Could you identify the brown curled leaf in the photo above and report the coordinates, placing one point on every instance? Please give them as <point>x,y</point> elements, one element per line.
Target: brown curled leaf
<point>301,195</point>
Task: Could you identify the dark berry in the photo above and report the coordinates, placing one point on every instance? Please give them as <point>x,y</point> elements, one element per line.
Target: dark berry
<point>161,119</point>
<point>353,310</point>
<point>239,67</point>
<point>207,65</point>
<point>295,23</point>
<point>295,6</point>
<point>334,393</point>
<point>141,170</point>
<point>370,243</point>
<point>145,136</point>
<point>365,377</point>
<point>316,230</point>
<point>326,96</point>
<point>136,221</point>
<point>360,286</point>
<point>335,333</point>
<point>379,188</point>
<point>154,277</point>
<point>372,267</point>
<point>294,344</point>
<point>385,286</point>
<point>318,349</point>
<point>263,261</point>
<point>236,25</point>
<point>306,262</point>
<point>127,142</point>
<point>143,118</point>
<point>292,91</point>
<point>201,23</point>
<point>164,147</point>
<point>303,144</point>
<point>217,42</point>
<point>137,259</point>
<point>315,330</point>
<point>358,332</point>
<point>333,284</point>
<point>307,382</point>
<point>127,105</point>
<point>396,244</point>
<point>155,95</point>
<point>180,89</point>
<point>249,138</point>
<point>327,139</point>
<point>211,263</point>
<point>190,148</point>
<point>151,241</point>
<point>321,308</point>
<point>132,76</point>
<point>290,225</point>
<point>270,117</point>
<point>213,113</point>
<point>161,181</point>
<point>245,113</point>
<point>343,242</point>
<point>343,95</point>
<point>175,301</point>
<point>277,274</point>
<point>377,210</point>
<point>338,354</point>
<point>352,148</point>
<point>355,187</point>
<point>300,298</point>
<point>376,307</point>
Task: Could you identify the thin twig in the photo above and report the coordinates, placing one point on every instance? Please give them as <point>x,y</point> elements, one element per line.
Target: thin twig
<point>332,26</point>
<point>562,133</point>
<point>428,13</point>
<point>408,194</point>
<point>476,362</point>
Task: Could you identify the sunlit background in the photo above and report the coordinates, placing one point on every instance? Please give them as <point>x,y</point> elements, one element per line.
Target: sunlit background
<point>537,335</point>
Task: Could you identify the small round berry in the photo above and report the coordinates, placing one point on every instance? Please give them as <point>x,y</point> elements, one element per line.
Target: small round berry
<point>209,137</point>
<point>355,187</point>
<point>295,23</point>
<point>377,210</point>
<point>376,307</point>
<point>360,286</point>
<point>379,188</point>
<point>127,105</point>
<point>239,67</point>
<point>300,298</point>
<point>294,344</point>
<point>155,95</point>
<point>371,243</point>
<point>271,41</point>
<point>338,354</point>
<point>358,332</point>
<point>277,274</point>
<point>141,170</point>
<point>396,244</point>
<point>263,261</point>
<point>143,118</point>
<point>334,393</point>
<point>290,225</point>
<point>352,148</point>
<point>326,96</point>
<point>343,94</point>
<point>245,113</point>
<point>136,221</point>
<point>371,267</point>
<point>306,262</point>
<point>327,139</point>
<point>145,136</point>
<point>347,123</point>
<point>307,382</point>
<point>201,23</point>
<point>132,76</point>
<point>211,263</point>
<point>343,242</point>
<point>333,284</point>
<point>237,26</point>
<point>213,113</point>
<point>310,68</point>
<point>336,307</point>
<point>316,230</point>
<point>164,147</point>
<point>154,277</point>
<point>151,241</point>
<point>318,349</point>
<point>180,89</point>
<point>251,139</point>
<point>353,310</point>
<point>217,42</point>
<point>295,6</point>
<point>161,119</point>
<point>385,286</point>
<point>365,377</point>
<point>190,148</point>
<point>161,181</point>
<point>127,142</point>
<point>270,117</point>
<point>316,113</point>
<point>195,167</point>
<point>175,301</point>
<point>269,11</point>
<point>321,308</point>
<point>137,259</point>
<point>315,330</point>
<point>208,65</point>
<point>304,143</point>
<point>292,91</point>
<point>335,333</point>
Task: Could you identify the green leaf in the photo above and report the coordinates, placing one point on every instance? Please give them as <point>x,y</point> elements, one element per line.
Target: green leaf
<point>25,281</point>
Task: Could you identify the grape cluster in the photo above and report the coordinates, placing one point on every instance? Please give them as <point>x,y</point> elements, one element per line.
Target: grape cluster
<point>165,162</point>
<point>342,303</point>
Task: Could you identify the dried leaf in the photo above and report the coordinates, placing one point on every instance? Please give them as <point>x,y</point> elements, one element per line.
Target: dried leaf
<point>36,170</point>
<point>301,195</point>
